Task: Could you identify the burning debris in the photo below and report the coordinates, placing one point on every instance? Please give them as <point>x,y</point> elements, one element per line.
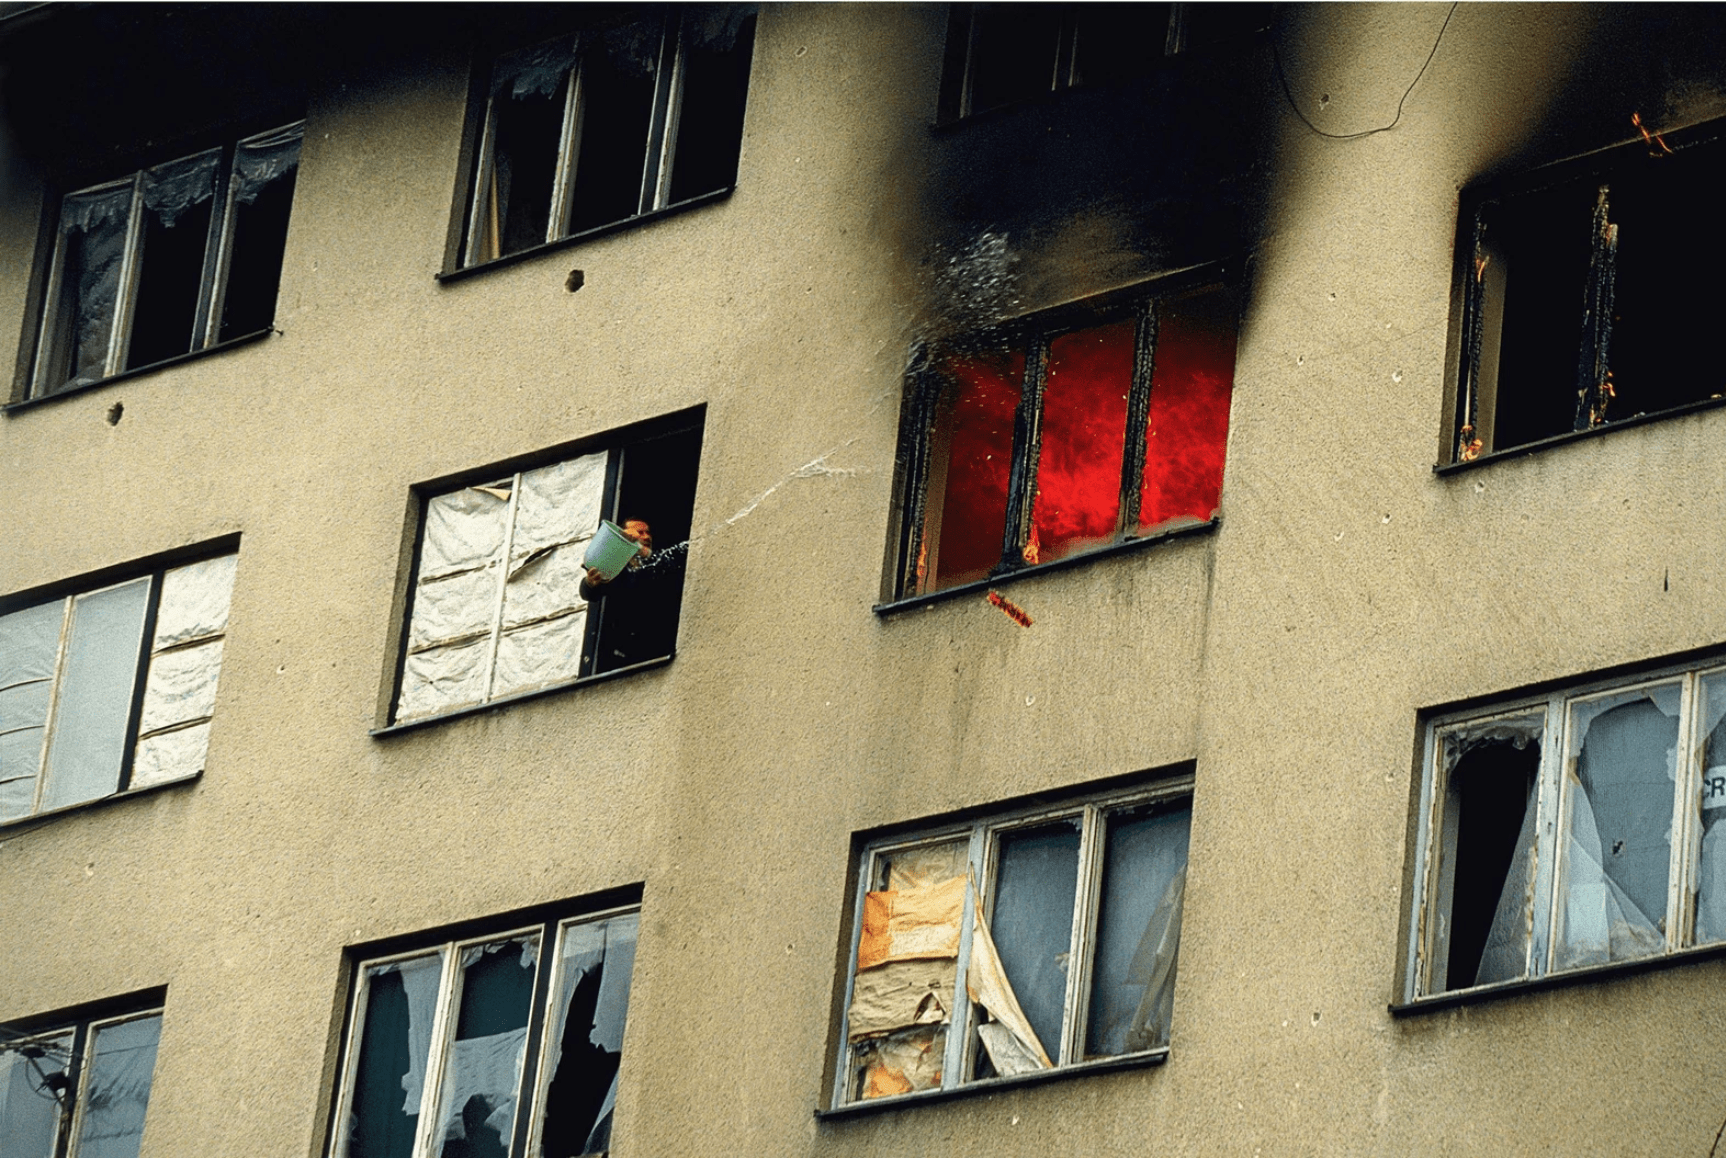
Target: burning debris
<point>1010,609</point>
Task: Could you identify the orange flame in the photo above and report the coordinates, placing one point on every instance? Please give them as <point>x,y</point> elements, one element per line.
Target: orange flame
<point>1010,609</point>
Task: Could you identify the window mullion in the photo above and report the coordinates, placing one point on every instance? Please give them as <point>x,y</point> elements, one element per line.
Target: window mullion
<point>47,349</point>
<point>1027,449</point>
<point>53,701</point>
<point>120,336</point>
<point>956,1061</point>
<point>918,436</point>
<point>970,76</point>
<point>141,675</point>
<point>1686,815</point>
<point>502,584</point>
<point>485,182</point>
<point>1066,50</point>
<point>218,247</point>
<point>673,119</point>
<point>1081,948</point>
<point>568,150</point>
<point>659,117</point>
<point>83,1041</point>
<point>1549,835</point>
<point>548,975</point>
<point>1138,416</point>
<point>437,1054</point>
<point>1473,325</point>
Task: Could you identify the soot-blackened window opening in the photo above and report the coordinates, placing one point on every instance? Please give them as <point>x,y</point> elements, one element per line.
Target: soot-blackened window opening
<point>1588,298</point>
<point>1067,433</point>
<point>608,124</point>
<point>167,261</point>
<point>1001,54</point>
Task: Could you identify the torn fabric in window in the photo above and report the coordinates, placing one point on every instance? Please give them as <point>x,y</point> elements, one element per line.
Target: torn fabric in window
<point>1032,924</point>
<point>78,338</point>
<point>482,1078</point>
<point>29,651</point>
<point>171,189</point>
<point>388,1080</point>
<point>1138,929</point>
<point>586,1036</point>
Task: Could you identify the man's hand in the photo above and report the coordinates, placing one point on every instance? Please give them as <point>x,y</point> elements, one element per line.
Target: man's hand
<point>595,578</point>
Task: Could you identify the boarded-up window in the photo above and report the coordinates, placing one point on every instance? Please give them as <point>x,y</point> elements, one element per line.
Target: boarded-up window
<point>171,259</point>
<point>602,126</point>
<point>490,1046</point>
<point>91,1076</point>
<point>1024,943</point>
<point>110,689</point>
<point>1572,832</point>
<point>1046,440</point>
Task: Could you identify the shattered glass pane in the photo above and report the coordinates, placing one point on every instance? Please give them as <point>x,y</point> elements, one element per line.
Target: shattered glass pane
<point>29,646</point>
<point>968,487</point>
<point>1187,431</point>
<point>527,111</point>
<point>585,1045</point>
<point>89,727</point>
<point>482,1076</point>
<point>117,1088</point>
<point>1138,928</point>
<point>1084,434</point>
<point>93,246</point>
<point>899,1063</point>
<point>395,1044</point>
<point>29,1112</point>
<point>1711,803</point>
<point>1619,790</point>
<point>1036,878</point>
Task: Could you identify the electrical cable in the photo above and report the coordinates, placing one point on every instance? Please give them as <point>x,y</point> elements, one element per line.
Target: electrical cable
<point>1282,76</point>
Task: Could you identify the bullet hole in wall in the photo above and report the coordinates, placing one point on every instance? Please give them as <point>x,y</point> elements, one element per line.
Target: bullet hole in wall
<point>575,281</point>
<point>114,413</point>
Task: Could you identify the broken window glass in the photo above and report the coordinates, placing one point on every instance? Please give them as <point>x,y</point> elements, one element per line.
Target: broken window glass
<point>504,1042</point>
<point>1572,834</point>
<point>1046,440</point>
<point>1580,300</point>
<point>587,131</point>
<point>1005,949</point>
<point>71,696</point>
<point>170,260</point>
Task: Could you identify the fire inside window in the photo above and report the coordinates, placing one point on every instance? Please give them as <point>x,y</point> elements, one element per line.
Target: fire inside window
<point>1588,292</point>
<point>1041,441</point>
<point>590,130</point>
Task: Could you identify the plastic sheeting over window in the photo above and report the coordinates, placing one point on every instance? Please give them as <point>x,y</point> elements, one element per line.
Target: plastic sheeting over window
<point>29,1110</point>
<point>116,1088</point>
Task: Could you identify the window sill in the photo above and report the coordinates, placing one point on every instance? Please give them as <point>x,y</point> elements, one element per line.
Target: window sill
<point>140,371</point>
<point>23,824</point>
<point>1569,436</point>
<point>389,730</point>
<point>1562,980</point>
<point>982,586</point>
<point>1131,1061</point>
<point>574,239</point>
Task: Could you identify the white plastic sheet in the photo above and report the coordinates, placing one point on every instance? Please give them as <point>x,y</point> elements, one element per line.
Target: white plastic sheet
<point>29,648</point>
<point>171,189</point>
<point>195,600</point>
<point>181,687</point>
<point>117,1090</point>
<point>29,1118</point>
<point>170,756</point>
<point>268,157</point>
<point>185,669</point>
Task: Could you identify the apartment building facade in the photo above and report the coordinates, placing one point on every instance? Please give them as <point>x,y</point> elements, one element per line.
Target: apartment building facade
<point>1094,489</point>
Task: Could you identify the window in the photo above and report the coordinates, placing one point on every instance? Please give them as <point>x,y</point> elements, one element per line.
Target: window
<point>78,1089</point>
<point>110,689</point>
<point>1587,295</point>
<point>1572,831</point>
<point>502,1045</point>
<point>166,261</point>
<point>499,607</point>
<point>607,125</point>
<point>1032,941</point>
<point>999,54</point>
<point>1064,434</point>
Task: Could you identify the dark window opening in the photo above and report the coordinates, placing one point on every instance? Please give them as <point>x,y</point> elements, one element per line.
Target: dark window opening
<point>255,265</point>
<point>1045,441</point>
<point>1586,300</point>
<point>170,278</point>
<point>619,81</point>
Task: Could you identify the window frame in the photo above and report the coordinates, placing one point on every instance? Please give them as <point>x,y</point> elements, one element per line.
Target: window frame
<point>920,417</point>
<point>67,592</point>
<point>549,923</point>
<point>653,198</point>
<point>1552,800</point>
<point>983,834</point>
<point>45,346</point>
<point>82,1024</point>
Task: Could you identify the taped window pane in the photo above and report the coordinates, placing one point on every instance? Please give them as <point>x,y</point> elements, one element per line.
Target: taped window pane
<point>29,1110</point>
<point>1138,929</point>
<point>266,169</point>
<point>88,741</point>
<point>400,1000</point>
<point>29,648</point>
<point>585,1040</point>
<point>93,228</point>
<point>1032,921</point>
<point>122,1058</point>
<point>482,1076</point>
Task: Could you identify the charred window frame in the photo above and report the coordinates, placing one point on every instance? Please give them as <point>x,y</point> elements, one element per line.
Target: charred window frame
<point>109,687</point>
<point>78,1086</point>
<point>1001,54</point>
<point>606,126</point>
<point>504,1042</point>
<point>1570,832</point>
<point>1029,943</point>
<point>167,261</point>
<point>496,609</point>
<point>1585,294</point>
<point>1066,433</point>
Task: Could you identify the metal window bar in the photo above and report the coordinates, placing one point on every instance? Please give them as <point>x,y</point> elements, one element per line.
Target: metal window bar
<point>120,336</point>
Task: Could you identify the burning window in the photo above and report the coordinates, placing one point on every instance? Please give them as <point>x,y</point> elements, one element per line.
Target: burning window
<point>507,1044</point>
<point>1586,295</point>
<point>166,261</point>
<point>596,128</point>
<point>504,602</point>
<point>110,688</point>
<point>999,54</point>
<point>1572,832</point>
<point>1069,433</point>
<point>1025,943</point>
<point>78,1087</point>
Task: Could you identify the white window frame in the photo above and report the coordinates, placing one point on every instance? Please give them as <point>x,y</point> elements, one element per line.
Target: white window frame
<point>79,1064</point>
<point>984,837</point>
<point>1551,801</point>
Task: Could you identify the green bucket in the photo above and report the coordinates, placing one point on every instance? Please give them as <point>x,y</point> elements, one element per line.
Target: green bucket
<point>610,550</point>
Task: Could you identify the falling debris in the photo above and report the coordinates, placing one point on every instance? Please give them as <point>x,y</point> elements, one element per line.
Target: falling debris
<point>1010,609</point>
<point>1657,146</point>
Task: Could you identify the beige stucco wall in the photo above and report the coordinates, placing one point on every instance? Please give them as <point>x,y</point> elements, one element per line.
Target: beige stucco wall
<point>1289,652</point>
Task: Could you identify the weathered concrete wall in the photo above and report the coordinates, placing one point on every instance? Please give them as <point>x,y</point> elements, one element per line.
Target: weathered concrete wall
<point>1288,653</point>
